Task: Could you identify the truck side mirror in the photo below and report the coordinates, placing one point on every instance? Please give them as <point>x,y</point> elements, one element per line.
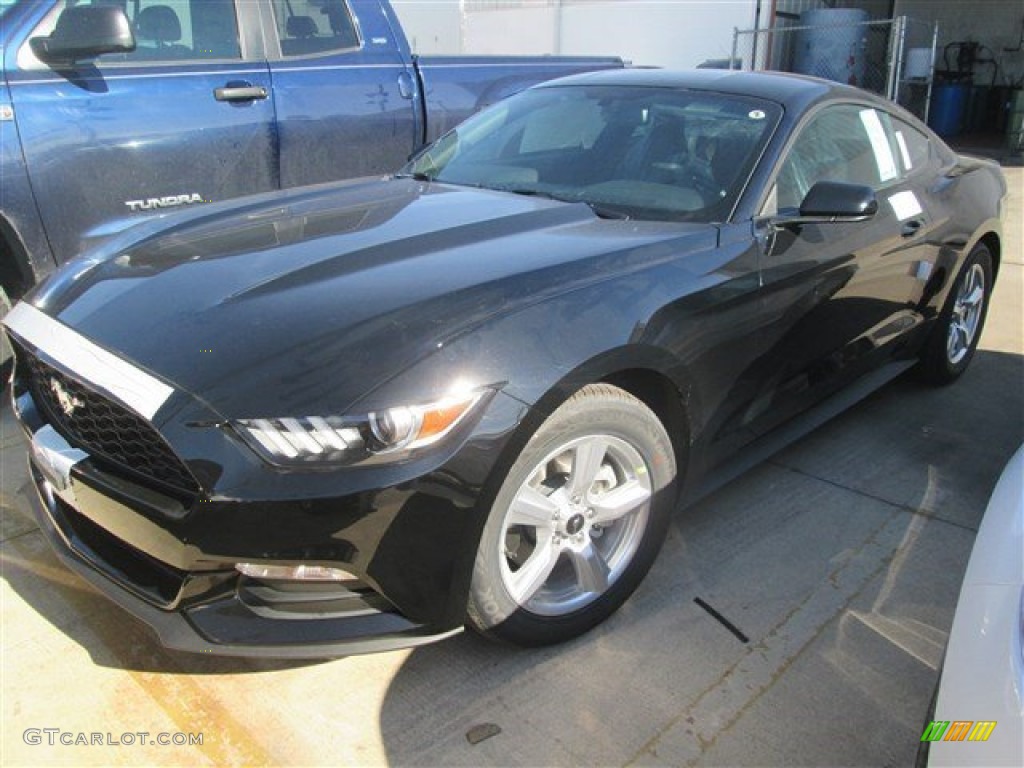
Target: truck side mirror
<point>84,32</point>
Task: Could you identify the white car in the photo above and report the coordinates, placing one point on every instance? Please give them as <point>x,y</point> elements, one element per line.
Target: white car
<point>979,709</point>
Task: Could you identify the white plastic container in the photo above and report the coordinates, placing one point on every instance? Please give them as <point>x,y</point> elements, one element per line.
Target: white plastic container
<point>918,65</point>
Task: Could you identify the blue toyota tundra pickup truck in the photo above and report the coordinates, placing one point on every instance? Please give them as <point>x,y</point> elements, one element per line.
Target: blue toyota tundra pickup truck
<point>116,110</point>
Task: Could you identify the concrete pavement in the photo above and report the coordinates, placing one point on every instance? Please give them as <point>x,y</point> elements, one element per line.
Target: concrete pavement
<point>839,559</point>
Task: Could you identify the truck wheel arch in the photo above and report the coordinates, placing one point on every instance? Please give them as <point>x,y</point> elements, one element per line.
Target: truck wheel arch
<point>16,273</point>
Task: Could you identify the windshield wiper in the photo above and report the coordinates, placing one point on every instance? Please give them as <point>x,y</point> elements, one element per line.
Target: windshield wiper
<point>605,212</point>
<point>600,210</point>
<point>527,191</point>
<point>415,176</point>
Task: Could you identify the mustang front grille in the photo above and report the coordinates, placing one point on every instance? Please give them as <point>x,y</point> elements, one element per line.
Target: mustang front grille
<point>103,428</point>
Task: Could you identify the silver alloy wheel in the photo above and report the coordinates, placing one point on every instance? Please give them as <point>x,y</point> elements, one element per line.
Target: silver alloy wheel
<point>967,307</point>
<point>575,524</point>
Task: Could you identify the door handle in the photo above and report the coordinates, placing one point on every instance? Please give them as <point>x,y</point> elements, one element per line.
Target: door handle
<point>240,92</point>
<point>405,89</point>
<point>911,228</point>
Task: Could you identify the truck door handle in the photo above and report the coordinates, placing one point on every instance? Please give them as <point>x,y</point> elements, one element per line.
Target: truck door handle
<point>240,91</point>
<point>405,89</point>
<point>911,228</point>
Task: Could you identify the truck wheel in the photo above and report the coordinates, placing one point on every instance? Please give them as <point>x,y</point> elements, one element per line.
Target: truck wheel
<point>577,522</point>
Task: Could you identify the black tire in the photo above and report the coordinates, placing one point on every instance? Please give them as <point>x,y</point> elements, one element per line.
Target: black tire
<point>577,522</point>
<point>954,339</point>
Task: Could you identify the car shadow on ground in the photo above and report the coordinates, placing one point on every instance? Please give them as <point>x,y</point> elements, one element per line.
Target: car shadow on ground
<point>112,637</point>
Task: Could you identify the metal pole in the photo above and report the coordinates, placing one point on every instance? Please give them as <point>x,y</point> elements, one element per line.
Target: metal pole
<point>558,27</point>
<point>931,72</point>
<point>757,26</point>
<point>735,39</point>
<point>770,42</point>
<point>897,40</point>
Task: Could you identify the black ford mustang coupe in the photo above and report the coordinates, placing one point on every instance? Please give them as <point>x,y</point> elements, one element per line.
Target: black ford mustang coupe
<point>360,416</point>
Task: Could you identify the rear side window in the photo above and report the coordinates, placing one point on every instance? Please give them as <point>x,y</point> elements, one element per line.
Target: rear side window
<point>912,147</point>
<point>847,143</point>
<point>307,27</point>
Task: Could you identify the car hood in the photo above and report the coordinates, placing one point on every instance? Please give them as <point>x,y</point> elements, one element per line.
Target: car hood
<point>309,300</point>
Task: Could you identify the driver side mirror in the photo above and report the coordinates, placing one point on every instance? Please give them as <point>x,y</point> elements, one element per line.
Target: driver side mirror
<point>86,31</point>
<point>830,202</point>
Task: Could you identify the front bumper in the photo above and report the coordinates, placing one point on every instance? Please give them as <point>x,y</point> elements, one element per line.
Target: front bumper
<point>406,533</point>
<point>215,611</point>
<point>235,616</point>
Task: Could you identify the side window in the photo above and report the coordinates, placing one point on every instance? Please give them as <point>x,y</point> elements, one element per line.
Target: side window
<point>314,26</point>
<point>183,29</point>
<point>845,143</point>
<point>169,30</point>
<point>912,147</point>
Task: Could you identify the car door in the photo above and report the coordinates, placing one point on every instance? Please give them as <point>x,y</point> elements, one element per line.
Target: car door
<point>343,95</point>
<point>838,297</point>
<point>183,120</point>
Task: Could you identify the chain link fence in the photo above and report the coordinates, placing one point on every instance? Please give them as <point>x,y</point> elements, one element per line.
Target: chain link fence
<point>894,58</point>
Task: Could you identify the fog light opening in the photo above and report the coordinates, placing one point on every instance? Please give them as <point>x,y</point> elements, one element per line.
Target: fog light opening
<point>301,572</point>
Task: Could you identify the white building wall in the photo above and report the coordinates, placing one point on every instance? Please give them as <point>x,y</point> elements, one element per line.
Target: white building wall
<point>677,34</point>
<point>432,26</point>
<point>529,30</point>
<point>666,33</point>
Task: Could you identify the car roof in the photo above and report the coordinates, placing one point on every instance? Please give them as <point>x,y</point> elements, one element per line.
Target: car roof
<point>791,91</point>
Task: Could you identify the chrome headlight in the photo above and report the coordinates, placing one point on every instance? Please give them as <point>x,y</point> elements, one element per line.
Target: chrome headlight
<point>335,440</point>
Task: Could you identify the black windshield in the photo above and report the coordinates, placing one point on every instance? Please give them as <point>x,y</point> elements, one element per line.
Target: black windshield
<point>629,152</point>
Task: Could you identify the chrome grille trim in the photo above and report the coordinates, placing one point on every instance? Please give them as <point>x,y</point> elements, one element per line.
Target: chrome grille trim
<point>103,427</point>
<point>141,392</point>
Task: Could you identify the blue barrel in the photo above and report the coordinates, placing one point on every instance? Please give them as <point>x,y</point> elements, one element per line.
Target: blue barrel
<point>949,108</point>
<point>832,44</point>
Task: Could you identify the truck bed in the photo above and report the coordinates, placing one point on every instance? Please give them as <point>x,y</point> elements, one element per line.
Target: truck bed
<point>454,87</point>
